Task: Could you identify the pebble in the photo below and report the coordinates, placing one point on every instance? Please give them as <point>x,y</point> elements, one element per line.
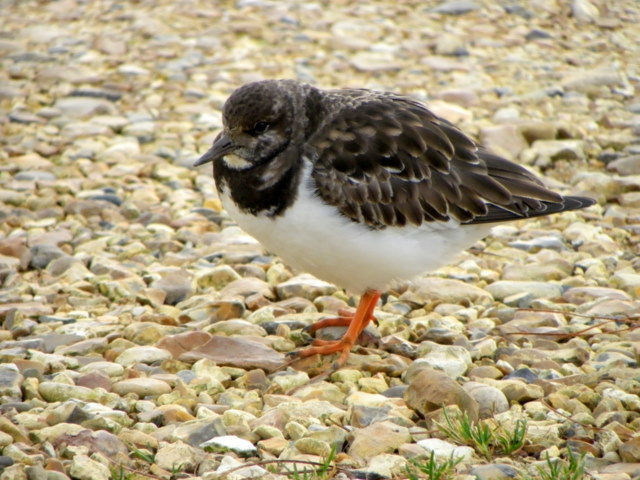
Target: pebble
<point>82,107</point>
<point>443,450</point>
<point>374,62</point>
<point>452,360</point>
<point>229,463</point>
<point>108,368</point>
<point>584,80</point>
<point>444,290</point>
<point>143,354</point>
<point>10,381</point>
<point>142,387</point>
<point>171,455</point>
<point>430,389</point>
<point>504,139</point>
<point>305,286</point>
<point>495,471</point>
<point>456,7</point>
<point>626,165</point>
<point>84,468</point>
<point>237,352</point>
<point>60,392</point>
<point>506,288</point>
<point>175,283</point>
<point>232,443</point>
<point>584,11</point>
<point>378,438</point>
<point>490,400</point>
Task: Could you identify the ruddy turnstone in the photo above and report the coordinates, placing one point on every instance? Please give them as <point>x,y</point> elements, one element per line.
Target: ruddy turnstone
<point>360,187</point>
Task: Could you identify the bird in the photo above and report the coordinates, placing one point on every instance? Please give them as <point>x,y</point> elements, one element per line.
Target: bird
<point>362,188</point>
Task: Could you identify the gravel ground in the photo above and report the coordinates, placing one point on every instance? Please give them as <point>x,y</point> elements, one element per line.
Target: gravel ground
<point>142,332</point>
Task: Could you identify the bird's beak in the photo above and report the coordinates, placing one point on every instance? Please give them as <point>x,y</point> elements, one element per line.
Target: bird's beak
<point>222,145</point>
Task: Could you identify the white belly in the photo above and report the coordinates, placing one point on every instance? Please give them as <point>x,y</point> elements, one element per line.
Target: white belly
<point>313,237</point>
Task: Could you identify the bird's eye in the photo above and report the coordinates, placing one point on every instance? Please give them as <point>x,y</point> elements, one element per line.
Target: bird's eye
<point>259,128</point>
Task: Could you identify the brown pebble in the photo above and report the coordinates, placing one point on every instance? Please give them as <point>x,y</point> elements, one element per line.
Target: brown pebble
<point>94,380</point>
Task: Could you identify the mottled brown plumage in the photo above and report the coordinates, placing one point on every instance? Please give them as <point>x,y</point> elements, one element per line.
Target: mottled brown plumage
<point>386,160</point>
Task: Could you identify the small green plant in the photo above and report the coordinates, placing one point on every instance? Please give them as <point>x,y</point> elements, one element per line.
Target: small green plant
<point>176,470</point>
<point>510,442</point>
<point>481,436</point>
<point>323,472</point>
<point>431,469</point>
<point>570,469</point>
<point>119,473</point>
<point>145,455</point>
<point>304,475</point>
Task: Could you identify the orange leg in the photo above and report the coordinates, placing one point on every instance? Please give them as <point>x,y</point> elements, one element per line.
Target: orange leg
<point>356,324</point>
<point>342,320</point>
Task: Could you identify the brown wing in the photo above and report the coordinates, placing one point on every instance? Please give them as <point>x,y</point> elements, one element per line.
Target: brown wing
<point>386,160</point>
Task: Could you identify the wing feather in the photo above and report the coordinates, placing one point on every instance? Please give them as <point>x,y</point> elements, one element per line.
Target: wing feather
<point>386,160</point>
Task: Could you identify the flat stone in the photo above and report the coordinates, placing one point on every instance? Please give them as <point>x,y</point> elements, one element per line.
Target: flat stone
<point>171,455</point>
<point>551,242</point>
<point>430,390</point>
<point>583,80</point>
<point>517,391</point>
<point>505,288</point>
<point>95,379</point>
<point>544,152</point>
<point>305,286</point>
<point>144,354</point>
<point>84,468</point>
<point>452,360</point>
<point>453,45</point>
<point>485,371</point>
<point>443,450</point>
<point>504,139</point>
<point>495,471</point>
<point>456,7</point>
<point>579,295</point>
<point>110,369</point>
<point>217,277</point>
<point>175,283</point>
<point>237,352</point>
<point>630,468</point>
<point>236,327</point>
<point>630,450</point>
<point>100,441</point>
<point>143,387</point>
<point>232,443</point>
<point>17,432</point>
<point>10,381</point>
<point>77,130</point>
<point>60,392</point>
<point>83,107</point>
<point>491,400</point>
<point>626,165</point>
<point>137,438</point>
<point>249,471</point>
<point>247,286</point>
<point>375,61</point>
<point>445,290</point>
<point>387,465</point>
<point>183,342</point>
<point>376,439</point>
<point>355,33</point>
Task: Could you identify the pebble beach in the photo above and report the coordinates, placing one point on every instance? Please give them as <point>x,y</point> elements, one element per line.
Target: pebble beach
<point>143,335</point>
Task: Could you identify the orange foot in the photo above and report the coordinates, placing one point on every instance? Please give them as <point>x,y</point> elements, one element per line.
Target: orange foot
<point>356,323</point>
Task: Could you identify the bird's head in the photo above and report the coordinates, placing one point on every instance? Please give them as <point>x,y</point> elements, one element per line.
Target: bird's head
<point>258,119</point>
